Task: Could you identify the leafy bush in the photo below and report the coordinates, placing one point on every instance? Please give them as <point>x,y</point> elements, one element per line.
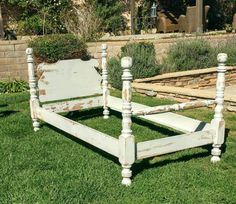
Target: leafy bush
<point>52,48</point>
<point>37,17</point>
<point>110,14</point>
<point>229,47</point>
<point>14,86</point>
<point>187,55</point>
<point>144,63</point>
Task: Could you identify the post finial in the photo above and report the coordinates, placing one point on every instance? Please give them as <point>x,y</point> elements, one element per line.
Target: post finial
<point>126,62</point>
<point>29,51</point>
<point>222,57</point>
<point>104,46</point>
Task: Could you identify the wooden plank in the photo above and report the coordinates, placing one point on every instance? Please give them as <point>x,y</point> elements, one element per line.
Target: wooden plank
<point>174,107</point>
<point>172,120</point>
<point>74,105</point>
<point>89,135</point>
<point>173,144</point>
<point>69,79</point>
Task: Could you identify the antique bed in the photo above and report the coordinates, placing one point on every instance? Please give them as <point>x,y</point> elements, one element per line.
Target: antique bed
<point>75,85</point>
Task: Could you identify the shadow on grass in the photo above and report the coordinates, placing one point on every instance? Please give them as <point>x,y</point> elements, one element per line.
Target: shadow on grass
<point>85,144</point>
<point>7,113</point>
<point>145,163</point>
<point>3,105</point>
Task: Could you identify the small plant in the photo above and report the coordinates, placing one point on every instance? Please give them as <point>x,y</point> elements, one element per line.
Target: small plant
<point>144,62</point>
<point>187,55</point>
<point>14,86</point>
<point>228,28</point>
<point>52,48</point>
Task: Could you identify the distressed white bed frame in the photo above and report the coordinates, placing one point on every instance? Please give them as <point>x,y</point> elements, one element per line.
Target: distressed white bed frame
<point>79,79</point>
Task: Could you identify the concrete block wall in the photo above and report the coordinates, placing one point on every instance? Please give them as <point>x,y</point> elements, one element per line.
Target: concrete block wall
<point>13,60</point>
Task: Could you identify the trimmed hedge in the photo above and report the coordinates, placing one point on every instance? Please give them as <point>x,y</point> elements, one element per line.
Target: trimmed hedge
<point>52,48</point>
<point>144,63</point>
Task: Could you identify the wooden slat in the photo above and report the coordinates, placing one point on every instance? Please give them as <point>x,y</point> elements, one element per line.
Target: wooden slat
<point>173,144</point>
<point>69,79</point>
<point>172,120</point>
<point>78,104</point>
<point>89,135</point>
<point>174,107</point>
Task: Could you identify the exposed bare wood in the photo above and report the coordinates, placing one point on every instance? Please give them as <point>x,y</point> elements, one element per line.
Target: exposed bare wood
<point>126,139</point>
<point>218,122</point>
<point>175,143</point>
<point>78,104</point>
<point>69,79</point>
<point>174,107</point>
<point>34,101</point>
<point>100,140</point>
<point>105,81</point>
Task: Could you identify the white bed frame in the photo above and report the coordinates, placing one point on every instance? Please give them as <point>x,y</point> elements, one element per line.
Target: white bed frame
<point>79,79</point>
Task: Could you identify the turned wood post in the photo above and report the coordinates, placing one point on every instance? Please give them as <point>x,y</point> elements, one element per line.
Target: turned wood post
<point>34,101</point>
<point>105,82</point>
<point>126,139</point>
<point>218,122</point>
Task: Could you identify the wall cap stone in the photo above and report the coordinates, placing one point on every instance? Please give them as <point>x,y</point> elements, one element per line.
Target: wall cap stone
<point>179,90</point>
<point>182,74</point>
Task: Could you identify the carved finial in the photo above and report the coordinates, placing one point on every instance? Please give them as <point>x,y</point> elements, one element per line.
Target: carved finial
<point>222,57</point>
<point>29,51</point>
<point>104,46</point>
<point>126,62</point>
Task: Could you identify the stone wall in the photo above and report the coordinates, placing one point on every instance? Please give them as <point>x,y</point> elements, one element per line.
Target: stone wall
<point>162,42</point>
<point>13,60</point>
<point>12,53</point>
<point>181,86</point>
<point>194,79</point>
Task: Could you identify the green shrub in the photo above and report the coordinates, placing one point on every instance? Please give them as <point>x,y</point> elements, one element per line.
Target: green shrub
<point>52,48</point>
<point>14,86</point>
<point>144,63</point>
<point>229,47</point>
<point>187,55</point>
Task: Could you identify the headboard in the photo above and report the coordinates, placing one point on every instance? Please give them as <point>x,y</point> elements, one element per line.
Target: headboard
<point>68,79</point>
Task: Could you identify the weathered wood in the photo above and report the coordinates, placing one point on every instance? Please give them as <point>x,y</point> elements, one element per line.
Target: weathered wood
<point>174,107</point>
<point>173,144</point>
<point>126,139</point>
<point>89,135</point>
<point>105,81</point>
<point>74,105</point>
<point>69,79</point>
<point>172,120</point>
<point>34,101</point>
<point>218,122</point>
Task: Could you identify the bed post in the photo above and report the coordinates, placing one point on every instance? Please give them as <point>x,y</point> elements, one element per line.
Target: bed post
<point>105,82</point>
<point>218,122</point>
<point>34,101</point>
<point>126,139</point>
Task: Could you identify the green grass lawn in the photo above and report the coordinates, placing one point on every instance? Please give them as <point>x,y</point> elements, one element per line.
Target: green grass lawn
<point>50,166</point>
